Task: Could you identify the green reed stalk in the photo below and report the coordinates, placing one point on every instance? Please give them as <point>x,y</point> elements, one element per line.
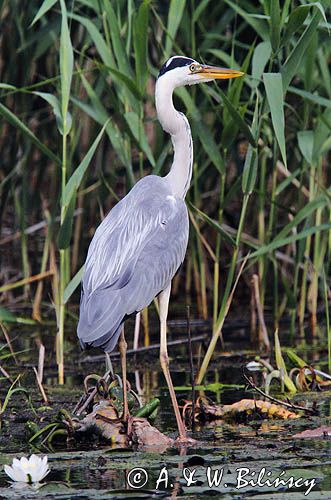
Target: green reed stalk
<point>227,291</point>
<point>44,260</point>
<point>217,253</point>
<point>19,208</point>
<point>303,288</point>
<point>200,256</point>
<point>261,215</point>
<point>327,316</point>
<point>271,224</point>
<point>261,227</point>
<point>316,258</point>
<point>63,273</point>
<point>66,68</point>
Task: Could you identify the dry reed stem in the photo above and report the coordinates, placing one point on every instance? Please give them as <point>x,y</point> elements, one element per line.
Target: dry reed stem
<point>8,340</point>
<point>253,314</point>
<point>263,333</point>
<point>25,281</point>
<point>43,393</point>
<point>286,173</point>
<point>6,374</point>
<point>202,238</point>
<point>31,229</point>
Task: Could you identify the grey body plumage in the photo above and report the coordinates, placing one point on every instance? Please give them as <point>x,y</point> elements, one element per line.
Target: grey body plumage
<point>139,246</point>
<point>133,256</point>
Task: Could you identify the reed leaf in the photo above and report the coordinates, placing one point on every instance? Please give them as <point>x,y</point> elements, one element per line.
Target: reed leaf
<point>115,35</point>
<point>251,160</point>
<point>277,243</point>
<point>306,144</point>
<point>65,232</point>
<point>18,124</point>
<point>212,223</point>
<point>274,90</point>
<point>73,284</point>
<point>275,24</point>
<point>138,133</point>
<point>293,61</point>
<point>45,7</point>
<point>76,178</point>
<point>295,21</point>
<point>175,15</point>
<point>98,112</point>
<point>7,316</point>
<point>140,39</point>
<point>56,107</point>
<point>261,56</point>
<point>210,146</point>
<point>282,367</point>
<point>260,26</point>
<point>238,119</point>
<point>103,50</point>
<point>66,68</point>
<point>315,99</point>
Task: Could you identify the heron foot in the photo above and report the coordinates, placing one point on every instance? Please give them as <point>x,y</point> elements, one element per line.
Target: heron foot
<point>185,441</point>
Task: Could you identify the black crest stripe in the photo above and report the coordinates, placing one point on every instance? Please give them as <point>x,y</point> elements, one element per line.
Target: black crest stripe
<point>176,62</point>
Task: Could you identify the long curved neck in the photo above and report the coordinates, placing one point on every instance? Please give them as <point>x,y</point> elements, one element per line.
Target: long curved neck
<point>177,125</point>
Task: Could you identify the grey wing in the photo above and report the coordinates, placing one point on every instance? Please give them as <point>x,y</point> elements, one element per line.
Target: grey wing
<point>133,256</point>
<point>159,260</point>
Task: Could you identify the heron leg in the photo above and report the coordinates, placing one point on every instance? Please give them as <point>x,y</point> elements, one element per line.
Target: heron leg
<point>122,345</point>
<point>136,332</point>
<point>164,359</point>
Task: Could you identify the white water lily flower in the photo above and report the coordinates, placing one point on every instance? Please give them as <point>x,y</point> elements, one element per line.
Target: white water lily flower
<point>29,470</point>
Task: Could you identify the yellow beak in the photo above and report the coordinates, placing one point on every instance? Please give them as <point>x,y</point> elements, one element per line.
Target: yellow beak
<point>219,73</point>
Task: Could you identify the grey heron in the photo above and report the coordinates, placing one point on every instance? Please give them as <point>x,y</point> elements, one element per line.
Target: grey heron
<point>139,246</point>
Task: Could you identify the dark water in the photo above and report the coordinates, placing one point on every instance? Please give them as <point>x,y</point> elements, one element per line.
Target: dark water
<point>96,471</point>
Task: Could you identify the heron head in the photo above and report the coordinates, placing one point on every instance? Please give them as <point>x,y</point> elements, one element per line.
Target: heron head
<point>182,71</point>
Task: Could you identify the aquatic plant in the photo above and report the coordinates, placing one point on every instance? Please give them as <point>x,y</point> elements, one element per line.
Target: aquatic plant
<point>28,470</point>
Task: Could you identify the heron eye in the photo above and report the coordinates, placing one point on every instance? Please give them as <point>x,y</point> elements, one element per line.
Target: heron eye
<point>193,68</point>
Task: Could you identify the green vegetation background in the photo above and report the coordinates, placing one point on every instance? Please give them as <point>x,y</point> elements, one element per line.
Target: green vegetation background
<point>78,129</point>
